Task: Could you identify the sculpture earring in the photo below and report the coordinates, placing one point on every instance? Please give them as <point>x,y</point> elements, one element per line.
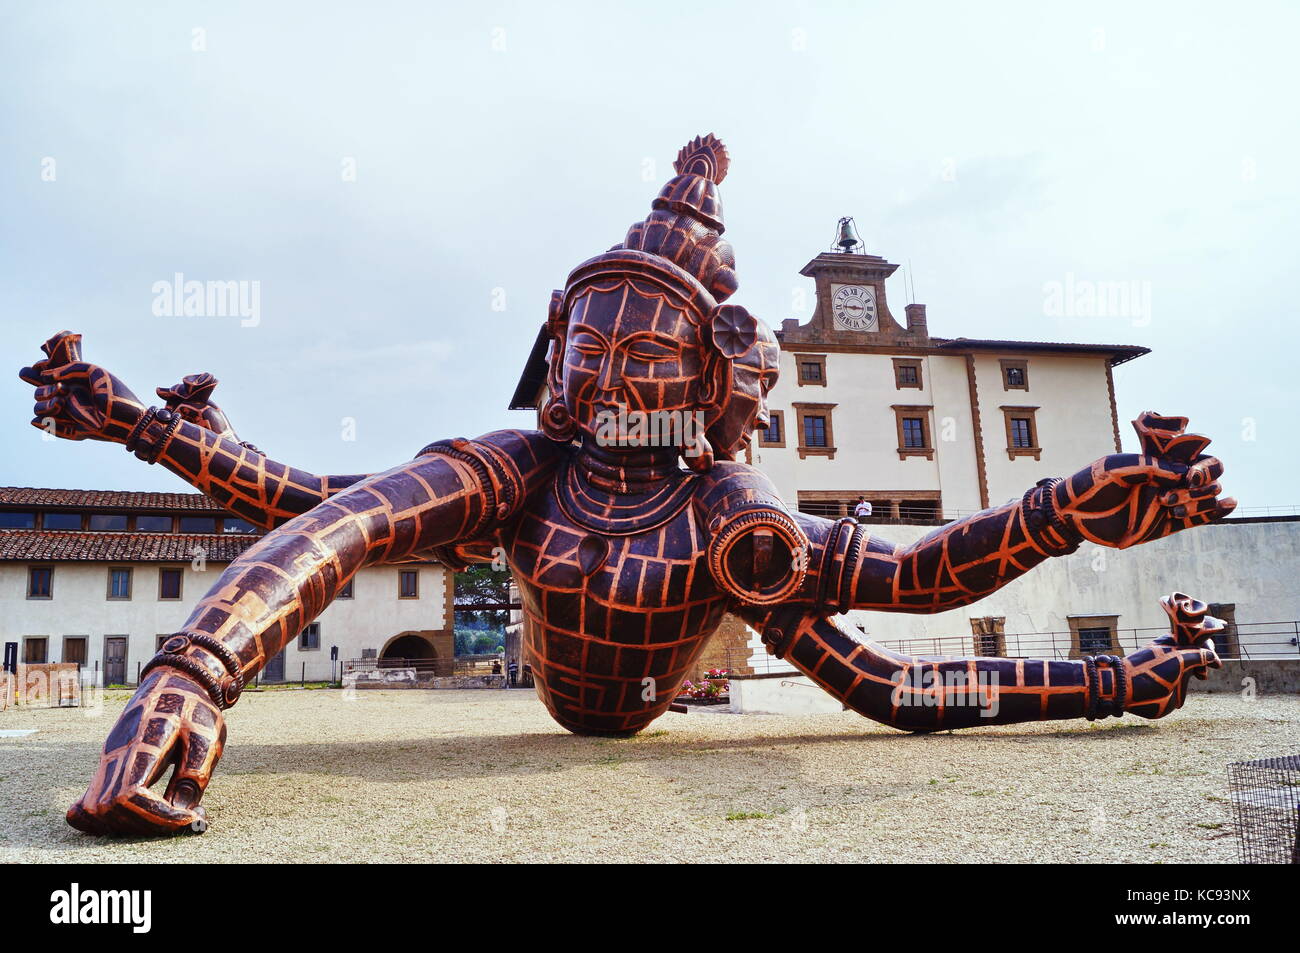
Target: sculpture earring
<point>557,423</point>
<point>698,454</point>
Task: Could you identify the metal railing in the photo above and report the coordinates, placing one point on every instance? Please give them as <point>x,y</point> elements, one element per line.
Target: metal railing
<point>929,516</point>
<point>1253,641</point>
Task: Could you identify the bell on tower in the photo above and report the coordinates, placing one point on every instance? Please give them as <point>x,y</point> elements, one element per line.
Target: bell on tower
<point>847,238</point>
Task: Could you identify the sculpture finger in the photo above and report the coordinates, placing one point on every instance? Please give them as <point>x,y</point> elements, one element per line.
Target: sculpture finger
<point>37,374</point>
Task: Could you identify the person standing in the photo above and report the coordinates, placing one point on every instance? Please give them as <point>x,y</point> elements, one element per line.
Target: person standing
<point>863,510</point>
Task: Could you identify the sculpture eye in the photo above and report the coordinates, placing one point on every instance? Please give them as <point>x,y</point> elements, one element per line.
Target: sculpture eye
<point>588,344</point>
<point>653,350</point>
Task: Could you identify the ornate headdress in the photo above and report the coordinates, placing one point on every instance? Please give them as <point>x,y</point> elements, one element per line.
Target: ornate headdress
<point>679,248</point>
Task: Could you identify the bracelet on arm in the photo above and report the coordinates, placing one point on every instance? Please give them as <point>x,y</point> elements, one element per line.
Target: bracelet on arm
<point>1046,529</point>
<point>1096,706</point>
<point>175,653</point>
<point>133,438</point>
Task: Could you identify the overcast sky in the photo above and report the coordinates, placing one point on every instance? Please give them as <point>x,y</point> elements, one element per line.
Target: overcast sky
<point>408,182</point>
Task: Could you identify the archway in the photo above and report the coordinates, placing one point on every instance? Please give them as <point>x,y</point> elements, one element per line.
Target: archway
<point>408,645</point>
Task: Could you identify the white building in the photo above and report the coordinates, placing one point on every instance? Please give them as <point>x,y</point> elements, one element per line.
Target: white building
<point>921,426</point>
<point>928,429</point>
<point>100,578</point>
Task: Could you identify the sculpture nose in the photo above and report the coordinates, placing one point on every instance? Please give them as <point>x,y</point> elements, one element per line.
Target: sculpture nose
<point>611,375</point>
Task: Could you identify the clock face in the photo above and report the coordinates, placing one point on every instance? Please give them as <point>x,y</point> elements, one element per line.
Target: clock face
<point>854,307</point>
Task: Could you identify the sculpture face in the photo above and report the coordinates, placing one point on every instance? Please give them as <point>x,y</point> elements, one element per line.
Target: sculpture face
<point>628,354</point>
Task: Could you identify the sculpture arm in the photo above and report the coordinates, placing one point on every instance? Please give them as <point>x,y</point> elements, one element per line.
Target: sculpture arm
<point>454,492</point>
<point>76,400</point>
<point>239,477</point>
<point>933,693</point>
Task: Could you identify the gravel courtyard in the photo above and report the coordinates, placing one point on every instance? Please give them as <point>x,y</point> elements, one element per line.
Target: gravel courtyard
<point>486,776</point>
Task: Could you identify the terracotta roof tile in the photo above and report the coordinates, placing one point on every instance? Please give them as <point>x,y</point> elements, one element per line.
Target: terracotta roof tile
<point>28,545</point>
<point>106,499</point>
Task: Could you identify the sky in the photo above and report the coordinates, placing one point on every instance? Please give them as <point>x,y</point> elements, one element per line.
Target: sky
<point>404,183</point>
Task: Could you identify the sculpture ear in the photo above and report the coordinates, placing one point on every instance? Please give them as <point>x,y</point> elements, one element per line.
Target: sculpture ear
<point>733,330</point>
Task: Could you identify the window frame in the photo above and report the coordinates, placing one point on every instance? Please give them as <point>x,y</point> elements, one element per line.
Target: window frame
<point>85,649</point>
<point>171,523</point>
<point>48,567</point>
<point>180,589</point>
<point>28,640</point>
<point>910,362</point>
<point>804,410</point>
<point>130,584</point>
<point>1014,363</point>
<point>401,574</point>
<point>79,517</point>
<point>303,634</point>
<point>1078,623</point>
<point>779,418</point>
<point>905,411</point>
<point>1010,413</point>
<point>347,590</point>
<point>818,359</point>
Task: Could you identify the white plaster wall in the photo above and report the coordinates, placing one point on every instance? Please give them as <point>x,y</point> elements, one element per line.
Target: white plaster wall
<point>1250,564</point>
<point>80,607</point>
<point>1074,422</point>
<point>865,429</point>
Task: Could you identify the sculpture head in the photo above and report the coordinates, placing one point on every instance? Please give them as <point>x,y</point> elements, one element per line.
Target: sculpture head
<point>643,353</point>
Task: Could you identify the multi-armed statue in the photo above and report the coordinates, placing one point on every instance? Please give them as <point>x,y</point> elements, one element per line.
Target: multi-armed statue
<point>625,559</point>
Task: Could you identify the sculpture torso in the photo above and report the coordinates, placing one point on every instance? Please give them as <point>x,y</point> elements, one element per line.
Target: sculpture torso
<point>612,599</point>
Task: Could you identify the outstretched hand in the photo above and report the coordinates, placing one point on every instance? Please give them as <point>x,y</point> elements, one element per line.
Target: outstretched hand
<point>1129,498</point>
<point>170,720</point>
<point>1158,673</point>
<point>76,400</point>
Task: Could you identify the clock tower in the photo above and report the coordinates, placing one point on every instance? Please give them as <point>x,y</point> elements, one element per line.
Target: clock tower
<point>851,306</point>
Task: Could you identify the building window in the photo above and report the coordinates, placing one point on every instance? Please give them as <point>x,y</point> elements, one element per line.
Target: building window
<point>119,582</point>
<point>169,583</point>
<point>35,650</point>
<point>108,522</point>
<point>1094,635</point>
<point>17,520</point>
<point>1015,374</point>
<point>913,425</point>
<point>814,430</point>
<point>346,591</point>
<point>816,434</point>
<point>774,434</point>
<point>1022,432</point>
<point>408,584</point>
<point>907,373</point>
<point>233,525</point>
<point>74,649</point>
<point>812,369</point>
<point>40,582</point>
<point>70,521</point>
<point>309,638</point>
<point>153,524</point>
<point>198,524</point>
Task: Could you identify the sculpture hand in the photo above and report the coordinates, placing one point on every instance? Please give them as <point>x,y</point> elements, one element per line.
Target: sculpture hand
<point>191,398</point>
<point>76,400</point>
<point>1158,674</point>
<point>1130,498</point>
<point>170,720</point>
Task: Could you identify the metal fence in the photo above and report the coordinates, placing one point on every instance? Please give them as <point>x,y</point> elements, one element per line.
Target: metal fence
<point>1254,641</point>
<point>1266,799</point>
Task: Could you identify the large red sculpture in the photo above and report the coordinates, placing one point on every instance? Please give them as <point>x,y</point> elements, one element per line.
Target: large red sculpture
<point>625,559</point>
